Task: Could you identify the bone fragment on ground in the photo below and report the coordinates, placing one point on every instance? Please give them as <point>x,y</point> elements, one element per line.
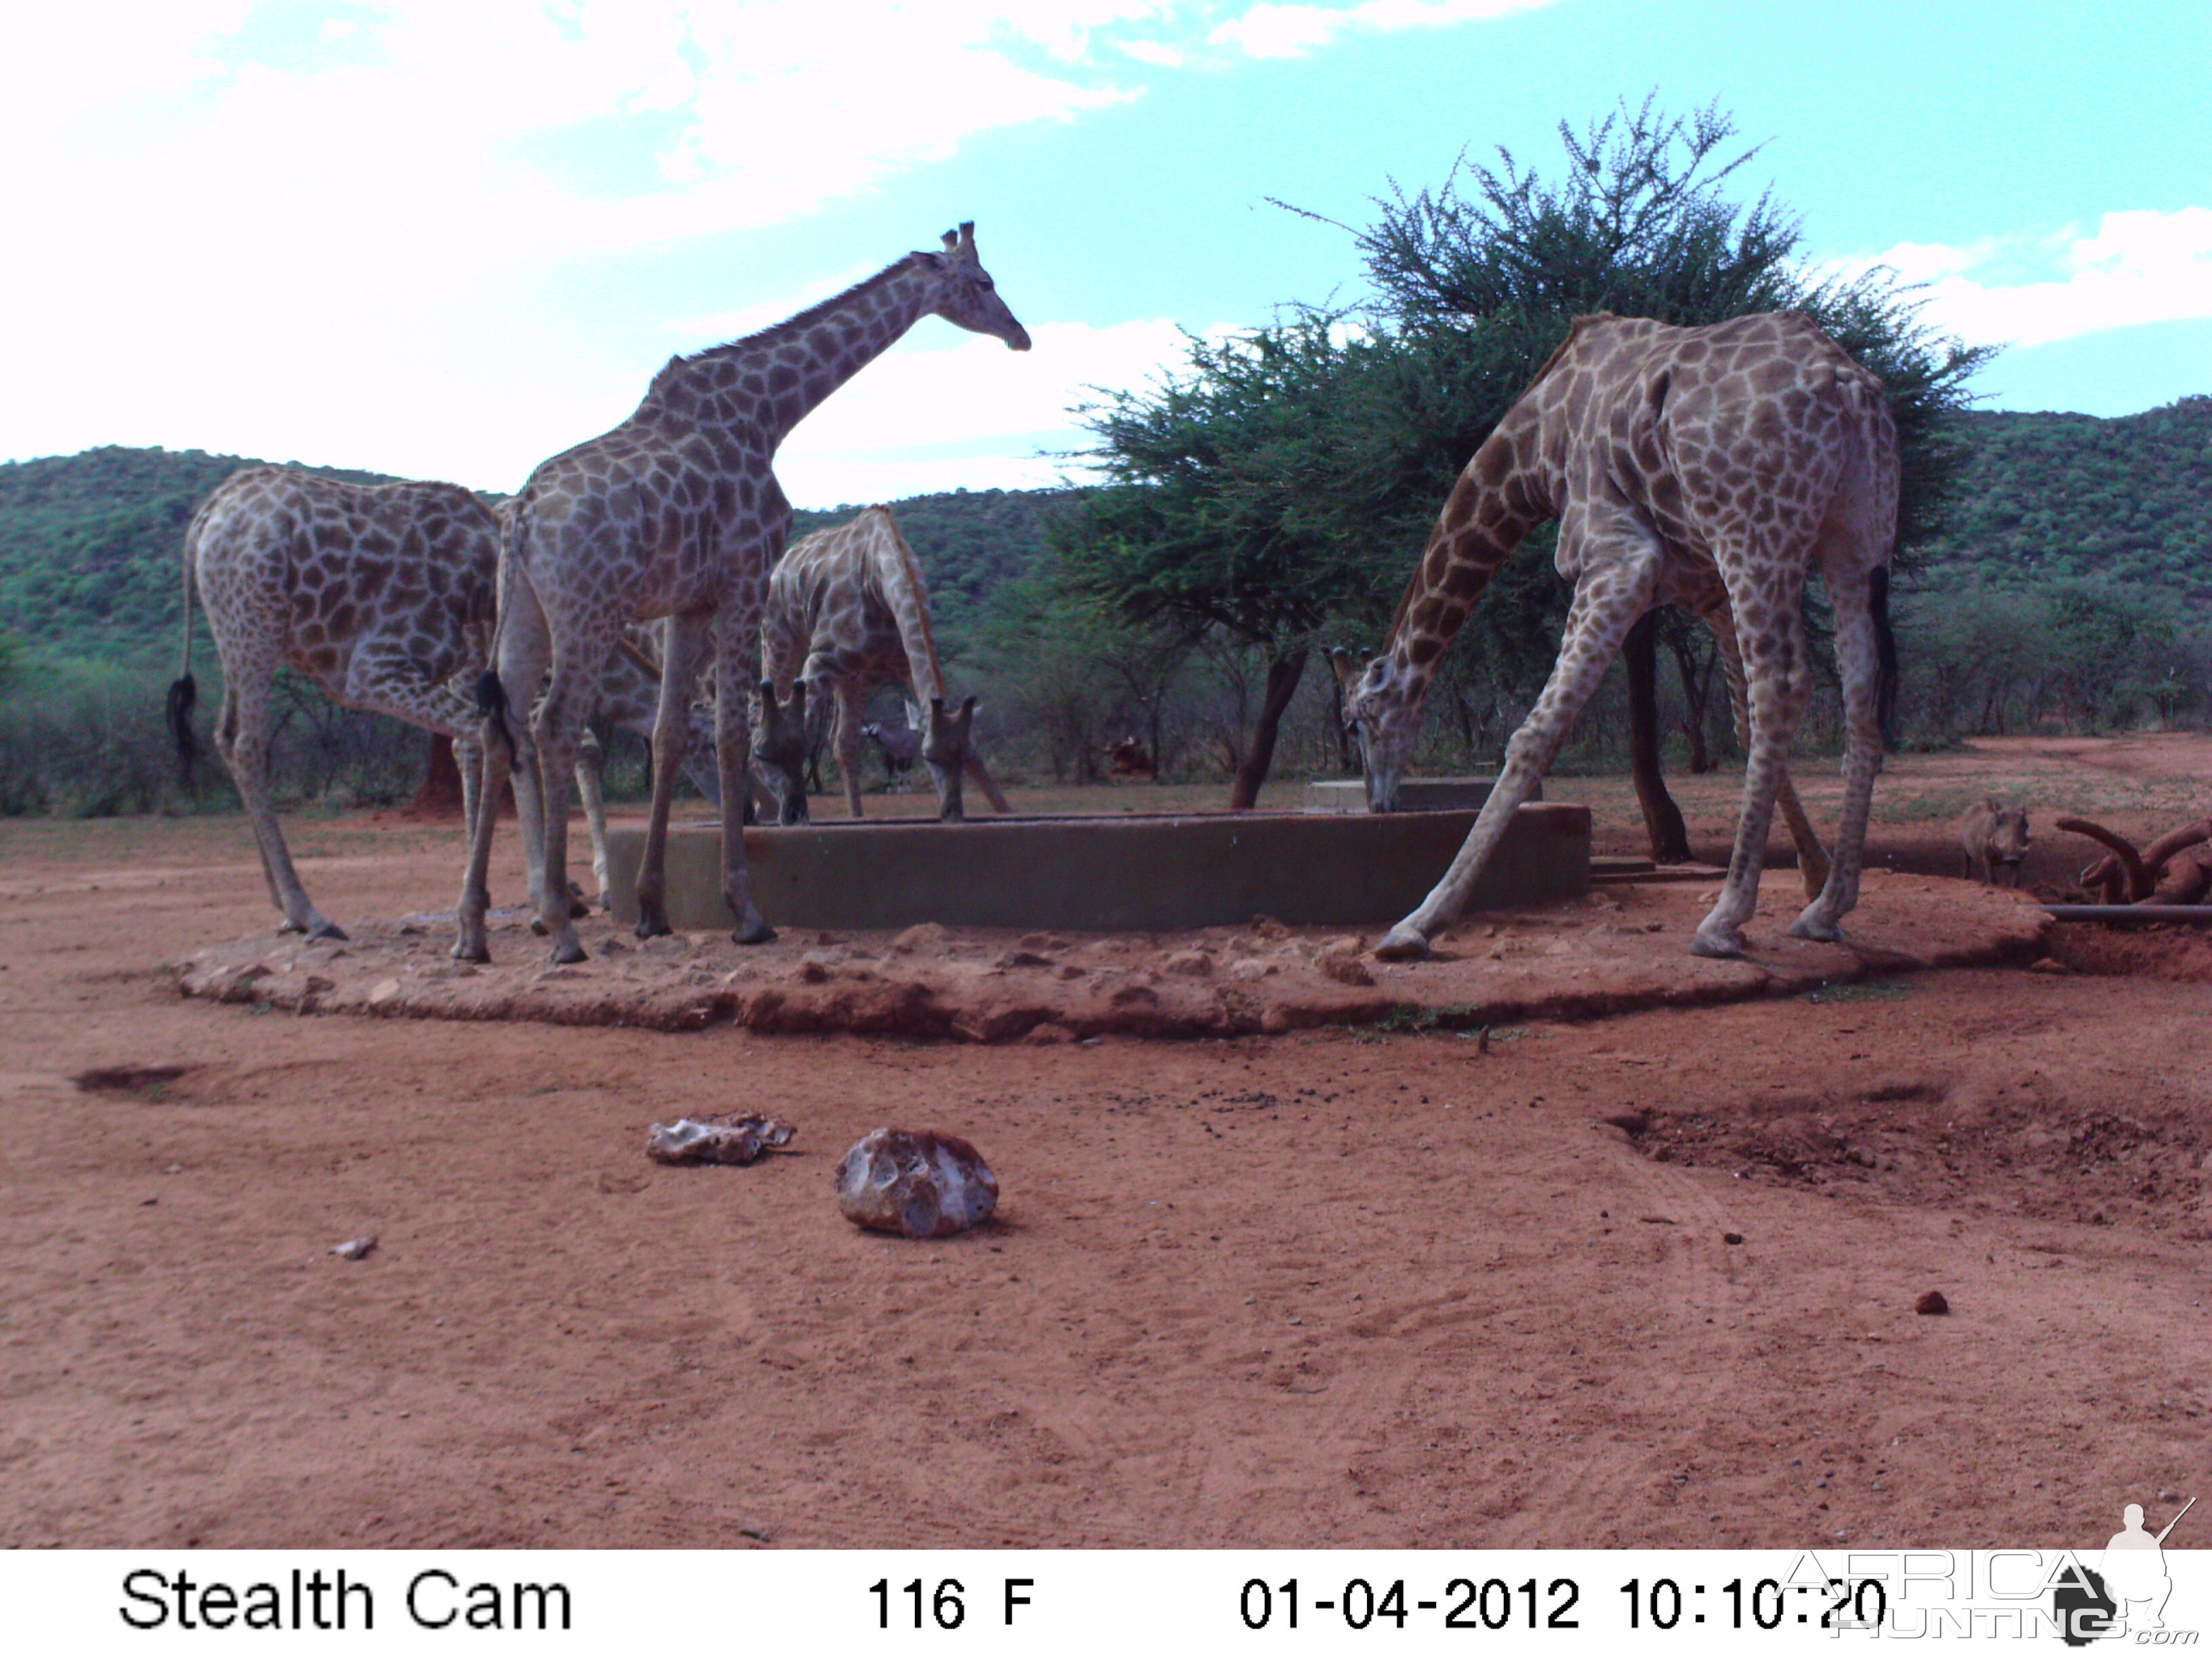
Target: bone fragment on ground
<point>716,1139</point>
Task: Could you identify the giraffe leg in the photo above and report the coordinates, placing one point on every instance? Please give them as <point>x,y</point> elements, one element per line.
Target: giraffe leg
<point>242,735</point>
<point>684,644</point>
<point>1812,857</point>
<point>847,739</point>
<point>1778,675</point>
<point>1858,659</point>
<point>226,728</point>
<point>468,761</point>
<point>980,775</point>
<point>590,775</point>
<point>1608,601</point>
<point>510,760</point>
<point>734,669</point>
<point>557,727</point>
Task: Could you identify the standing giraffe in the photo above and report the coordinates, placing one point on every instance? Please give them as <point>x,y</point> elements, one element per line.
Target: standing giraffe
<point>1743,452</point>
<point>848,611</point>
<point>676,513</point>
<point>381,594</point>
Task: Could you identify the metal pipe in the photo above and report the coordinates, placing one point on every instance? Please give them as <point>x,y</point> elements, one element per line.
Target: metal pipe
<point>2188,915</point>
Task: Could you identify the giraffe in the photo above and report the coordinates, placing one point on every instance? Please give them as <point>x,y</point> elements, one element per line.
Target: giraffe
<point>677,512</point>
<point>848,611</point>
<point>381,595</point>
<point>1675,458</point>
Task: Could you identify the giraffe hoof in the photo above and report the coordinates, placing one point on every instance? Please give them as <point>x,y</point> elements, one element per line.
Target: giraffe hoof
<point>760,934</point>
<point>463,953</point>
<point>289,926</point>
<point>1403,944</point>
<point>537,926</point>
<point>652,927</point>
<point>1722,947</point>
<point>565,953</point>
<point>326,930</point>
<point>1812,927</point>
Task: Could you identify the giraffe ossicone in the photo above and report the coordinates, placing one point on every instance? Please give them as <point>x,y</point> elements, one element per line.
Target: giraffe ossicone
<point>847,611</point>
<point>676,513</point>
<point>1709,467</point>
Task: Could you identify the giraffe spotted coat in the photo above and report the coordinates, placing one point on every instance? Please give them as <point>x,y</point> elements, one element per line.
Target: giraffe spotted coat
<point>847,611</point>
<point>1679,462</point>
<point>676,513</point>
<point>381,595</point>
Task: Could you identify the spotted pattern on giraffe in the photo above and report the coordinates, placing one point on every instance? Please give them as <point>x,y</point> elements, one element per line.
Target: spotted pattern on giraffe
<point>676,513</point>
<point>1711,467</point>
<point>848,611</point>
<point>381,595</point>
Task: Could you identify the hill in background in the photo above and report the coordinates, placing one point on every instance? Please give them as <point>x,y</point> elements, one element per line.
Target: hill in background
<point>90,545</point>
<point>2071,496</point>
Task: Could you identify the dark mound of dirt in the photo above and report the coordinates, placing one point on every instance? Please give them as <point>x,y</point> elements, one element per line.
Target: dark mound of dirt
<point>2182,954</point>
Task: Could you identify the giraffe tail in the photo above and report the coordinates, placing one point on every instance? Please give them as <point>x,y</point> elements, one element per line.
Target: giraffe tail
<point>491,705</point>
<point>1884,645</point>
<point>184,690</point>
<point>184,693</point>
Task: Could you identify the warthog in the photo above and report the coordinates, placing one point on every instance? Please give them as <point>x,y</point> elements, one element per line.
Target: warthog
<point>1992,834</point>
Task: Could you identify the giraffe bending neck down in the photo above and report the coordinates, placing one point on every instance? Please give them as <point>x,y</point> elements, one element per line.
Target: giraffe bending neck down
<point>847,611</point>
<point>676,513</point>
<point>1678,461</point>
<point>381,594</point>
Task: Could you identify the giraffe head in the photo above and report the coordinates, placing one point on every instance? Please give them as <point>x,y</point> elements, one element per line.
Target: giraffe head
<point>1382,705</point>
<point>944,746</point>
<point>780,750</point>
<point>965,292</point>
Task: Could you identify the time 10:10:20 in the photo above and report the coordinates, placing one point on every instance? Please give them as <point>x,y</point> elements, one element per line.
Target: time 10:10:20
<point>1768,1603</point>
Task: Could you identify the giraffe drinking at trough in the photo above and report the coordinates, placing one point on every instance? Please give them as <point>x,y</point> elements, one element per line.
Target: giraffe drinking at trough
<point>848,611</point>
<point>1743,452</point>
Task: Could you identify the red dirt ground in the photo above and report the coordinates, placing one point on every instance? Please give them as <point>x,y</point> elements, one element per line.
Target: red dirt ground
<point>1342,1286</point>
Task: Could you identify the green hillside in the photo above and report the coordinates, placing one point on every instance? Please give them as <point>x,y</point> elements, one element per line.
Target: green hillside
<point>91,546</point>
<point>89,543</point>
<point>2057,496</point>
<point>970,542</point>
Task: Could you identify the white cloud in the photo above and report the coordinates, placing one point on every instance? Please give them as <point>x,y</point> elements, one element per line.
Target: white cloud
<point>2031,289</point>
<point>383,232</point>
<point>1005,417</point>
<point>1270,30</point>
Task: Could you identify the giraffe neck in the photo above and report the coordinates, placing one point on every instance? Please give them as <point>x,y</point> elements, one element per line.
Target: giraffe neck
<point>1499,497</point>
<point>900,581</point>
<point>843,336</point>
<point>768,382</point>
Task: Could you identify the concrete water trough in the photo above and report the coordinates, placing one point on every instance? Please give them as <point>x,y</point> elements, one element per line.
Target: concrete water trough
<point>1415,794</point>
<point>1131,872</point>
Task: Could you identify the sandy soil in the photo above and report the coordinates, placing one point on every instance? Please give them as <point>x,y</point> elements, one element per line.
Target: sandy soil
<point>1644,1280</point>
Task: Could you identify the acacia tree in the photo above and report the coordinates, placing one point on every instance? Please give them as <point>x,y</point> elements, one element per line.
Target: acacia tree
<point>1274,488</point>
<point>1192,534</point>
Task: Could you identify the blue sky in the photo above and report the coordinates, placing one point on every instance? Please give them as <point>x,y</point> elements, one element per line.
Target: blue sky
<point>443,238</point>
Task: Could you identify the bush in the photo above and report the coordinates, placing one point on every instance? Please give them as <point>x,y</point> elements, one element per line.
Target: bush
<point>86,740</point>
